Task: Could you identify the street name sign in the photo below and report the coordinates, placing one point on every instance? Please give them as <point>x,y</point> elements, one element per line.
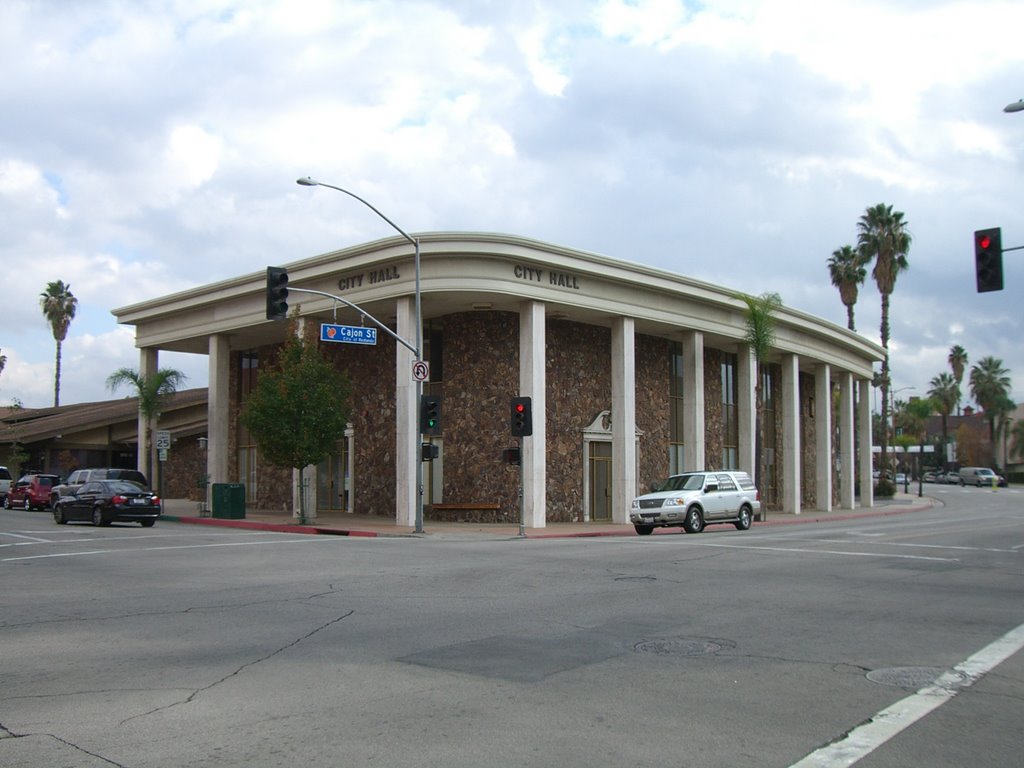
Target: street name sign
<point>348,334</point>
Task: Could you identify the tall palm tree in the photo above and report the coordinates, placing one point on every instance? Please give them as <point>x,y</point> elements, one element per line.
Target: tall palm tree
<point>882,235</point>
<point>760,337</point>
<point>945,395</point>
<point>152,392</point>
<point>58,305</point>
<point>847,270</point>
<point>958,364</point>
<point>990,388</point>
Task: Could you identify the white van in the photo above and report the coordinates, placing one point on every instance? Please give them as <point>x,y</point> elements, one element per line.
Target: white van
<point>979,476</point>
<point>5,483</point>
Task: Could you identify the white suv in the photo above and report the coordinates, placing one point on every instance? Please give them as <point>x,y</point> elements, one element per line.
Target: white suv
<point>695,499</point>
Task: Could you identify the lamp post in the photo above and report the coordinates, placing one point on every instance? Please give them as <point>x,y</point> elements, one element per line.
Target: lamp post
<point>417,352</point>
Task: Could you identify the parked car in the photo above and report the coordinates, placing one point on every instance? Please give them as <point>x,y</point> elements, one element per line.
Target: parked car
<point>5,483</point>
<point>929,477</point>
<point>102,502</point>
<point>901,478</point>
<point>695,499</point>
<point>981,477</point>
<point>31,491</point>
<point>81,476</point>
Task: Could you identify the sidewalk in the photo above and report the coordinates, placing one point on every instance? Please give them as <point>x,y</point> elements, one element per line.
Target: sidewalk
<point>344,524</point>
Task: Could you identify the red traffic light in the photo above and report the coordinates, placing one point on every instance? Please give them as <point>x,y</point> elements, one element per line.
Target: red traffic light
<point>520,407</point>
<point>984,241</point>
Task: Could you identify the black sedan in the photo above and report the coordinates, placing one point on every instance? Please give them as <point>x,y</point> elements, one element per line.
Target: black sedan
<point>102,502</point>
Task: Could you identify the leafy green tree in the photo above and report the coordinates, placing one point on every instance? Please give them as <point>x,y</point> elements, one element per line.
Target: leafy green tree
<point>916,418</point>
<point>760,337</point>
<point>58,305</point>
<point>882,235</point>
<point>990,388</point>
<point>847,269</point>
<point>1017,439</point>
<point>298,409</point>
<point>945,395</point>
<point>152,392</point>
<point>958,364</point>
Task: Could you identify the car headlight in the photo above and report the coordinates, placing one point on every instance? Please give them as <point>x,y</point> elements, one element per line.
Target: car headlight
<point>635,504</point>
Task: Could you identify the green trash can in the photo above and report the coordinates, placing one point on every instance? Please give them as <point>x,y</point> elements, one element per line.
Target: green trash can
<point>229,501</point>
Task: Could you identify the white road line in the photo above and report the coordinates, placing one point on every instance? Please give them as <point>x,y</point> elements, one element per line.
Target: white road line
<point>130,550</point>
<point>889,722</point>
<point>32,539</point>
<point>828,552</point>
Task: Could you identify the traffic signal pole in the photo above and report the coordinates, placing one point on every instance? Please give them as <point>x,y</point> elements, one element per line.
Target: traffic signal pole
<point>416,347</point>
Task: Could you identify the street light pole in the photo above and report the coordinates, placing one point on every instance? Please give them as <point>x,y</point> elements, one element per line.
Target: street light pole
<point>418,352</point>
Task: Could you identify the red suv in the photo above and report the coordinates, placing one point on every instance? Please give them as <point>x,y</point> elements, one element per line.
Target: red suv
<point>31,492</point>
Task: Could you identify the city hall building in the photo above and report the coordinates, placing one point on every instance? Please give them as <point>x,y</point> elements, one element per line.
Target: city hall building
<point>634,373</point>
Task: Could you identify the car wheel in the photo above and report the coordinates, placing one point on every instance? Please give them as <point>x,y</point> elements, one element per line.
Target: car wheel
<point>643,530</point>
<point>98,519</point>
<point>694,522</point>
<point>58,515</point>
<point>147,523</point>
<point>743,523</point>
<point>7,503</point>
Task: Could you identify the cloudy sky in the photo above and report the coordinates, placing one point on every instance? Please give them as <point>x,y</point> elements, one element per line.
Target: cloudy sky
<point>149,146</point>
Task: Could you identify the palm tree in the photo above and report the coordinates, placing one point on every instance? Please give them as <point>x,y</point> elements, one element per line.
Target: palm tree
<point>945,395</point>
<point>760,337</point>
<point>958,363</point>
<point>152,392</point>
<point>990,388</point>
<point>882,235</point>
<point>58,305</point>
<point>846,268</point>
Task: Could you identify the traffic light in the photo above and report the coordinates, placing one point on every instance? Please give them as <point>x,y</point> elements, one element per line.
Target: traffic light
<point>428,451</point>
<point>512,455</point>
<point>988,259</point>
<point>430,415</point>
<point>277,293</point>
<point>522,417</point>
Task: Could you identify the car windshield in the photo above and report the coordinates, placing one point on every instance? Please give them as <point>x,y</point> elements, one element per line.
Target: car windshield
<point>691,482</point>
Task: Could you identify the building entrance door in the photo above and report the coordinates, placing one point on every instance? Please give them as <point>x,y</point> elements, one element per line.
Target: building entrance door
<point>600,460</point>
<point>332,480</point>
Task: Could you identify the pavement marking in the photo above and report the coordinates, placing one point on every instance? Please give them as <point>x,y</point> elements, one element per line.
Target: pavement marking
<point>31,539</point>
<point>827,552</point>
<point>891,721</point>
<point>304,540</point>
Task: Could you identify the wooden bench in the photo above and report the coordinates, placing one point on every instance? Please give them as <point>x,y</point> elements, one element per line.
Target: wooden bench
<point>468,512</point>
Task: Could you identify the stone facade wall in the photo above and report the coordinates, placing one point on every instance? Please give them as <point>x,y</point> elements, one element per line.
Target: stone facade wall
<point>481,375</point>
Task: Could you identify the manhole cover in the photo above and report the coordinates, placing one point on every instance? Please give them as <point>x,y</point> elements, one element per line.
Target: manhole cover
<point>911,678</point>
<point>683,646</point>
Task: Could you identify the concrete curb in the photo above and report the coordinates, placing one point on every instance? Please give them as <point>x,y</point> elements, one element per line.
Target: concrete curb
<point>626,530</point>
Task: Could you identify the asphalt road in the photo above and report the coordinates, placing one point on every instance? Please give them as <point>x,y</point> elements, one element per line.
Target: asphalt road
<point>189,646</point>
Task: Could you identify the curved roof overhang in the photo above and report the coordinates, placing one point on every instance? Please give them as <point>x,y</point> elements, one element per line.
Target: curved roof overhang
<point>464,272</point>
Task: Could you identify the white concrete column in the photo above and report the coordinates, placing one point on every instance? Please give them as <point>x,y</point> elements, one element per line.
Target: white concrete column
<point>407,443</point>
<point>533,384</point>
<point>624,475</point>
<point>864,458</point>
<point>217,410</point>
<point>746,413</point>
<point>823,436</point>
<point>791,464</point>
<point>693,401</point>
<point>847,442</point>
<point>149,361</point>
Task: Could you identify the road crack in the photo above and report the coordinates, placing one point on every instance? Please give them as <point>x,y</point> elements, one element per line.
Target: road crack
<point>199,691</point>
